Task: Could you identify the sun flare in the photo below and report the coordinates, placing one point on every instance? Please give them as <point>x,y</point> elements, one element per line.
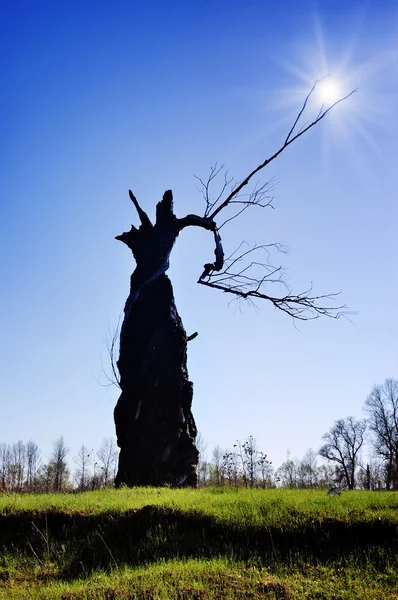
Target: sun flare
<point>337,73</point>
<point>329,90</point>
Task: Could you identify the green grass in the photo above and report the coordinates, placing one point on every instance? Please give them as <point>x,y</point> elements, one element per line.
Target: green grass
<point>210,543</point>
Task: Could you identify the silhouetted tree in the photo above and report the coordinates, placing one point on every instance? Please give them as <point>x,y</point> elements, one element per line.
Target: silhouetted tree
<point>154,424</point>
<point>343,443</point>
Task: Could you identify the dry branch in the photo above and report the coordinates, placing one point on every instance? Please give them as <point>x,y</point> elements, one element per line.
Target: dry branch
<point>243,283</point>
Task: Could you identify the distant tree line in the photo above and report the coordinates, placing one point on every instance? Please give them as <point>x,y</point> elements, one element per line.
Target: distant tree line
<point>23,470</point>
<point>244,465</point>
<point>344,443</point>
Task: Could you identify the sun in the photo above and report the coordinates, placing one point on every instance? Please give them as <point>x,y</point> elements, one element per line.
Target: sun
<point>329,90</point>
<point>324,77</point>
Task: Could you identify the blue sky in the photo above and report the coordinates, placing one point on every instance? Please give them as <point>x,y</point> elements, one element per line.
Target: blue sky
<point>99,97</point>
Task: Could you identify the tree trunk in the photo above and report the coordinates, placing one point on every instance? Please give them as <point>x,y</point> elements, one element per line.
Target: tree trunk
<point>154,424</point>
<point>155,428</point>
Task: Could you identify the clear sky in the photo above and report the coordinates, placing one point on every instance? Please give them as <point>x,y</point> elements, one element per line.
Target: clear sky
<point>99,97</point>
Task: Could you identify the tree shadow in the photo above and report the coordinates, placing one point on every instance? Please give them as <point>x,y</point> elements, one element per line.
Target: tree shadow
<point>80,544</point>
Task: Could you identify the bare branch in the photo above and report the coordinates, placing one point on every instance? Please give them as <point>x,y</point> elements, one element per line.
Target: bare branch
<point>301,111</point>
<point>302,307</point>
<point>112,347</point>
<point>289,140</point>
<point>258,197</point>
<point>249,282</point>
<point>246,205</point>
<point>215,170</point>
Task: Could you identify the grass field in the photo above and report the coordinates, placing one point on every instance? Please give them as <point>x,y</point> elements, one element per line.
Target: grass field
<point>203,544</point>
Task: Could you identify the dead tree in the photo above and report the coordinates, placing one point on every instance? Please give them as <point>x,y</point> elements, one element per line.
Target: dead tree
<point>154,424</point>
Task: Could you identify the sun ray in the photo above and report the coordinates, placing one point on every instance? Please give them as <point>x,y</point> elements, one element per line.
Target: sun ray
<point>352,120</point>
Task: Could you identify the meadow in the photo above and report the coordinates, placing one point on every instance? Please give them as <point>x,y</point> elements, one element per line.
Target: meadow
<point>202,544</point>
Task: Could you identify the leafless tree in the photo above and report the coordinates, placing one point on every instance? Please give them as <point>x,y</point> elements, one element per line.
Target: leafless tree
<point>59,464</point>
<point>231,467</point>
<point>18,466</point>
<point>32,464</point>
<point>250,458</point>
<point>343,443</point>
<point>5,461</point>
<point>382,409</point>
<point>373,476</point>
<point>203,466</point>
<point>46,477</point>
<point>265,470</point>
<point>287,474</point>
<point>107,460</point>
<point>217,470</point>
<point>304,473</point>
<point>83,459</point>
<point>308,470</point>
<point>326,476</point>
